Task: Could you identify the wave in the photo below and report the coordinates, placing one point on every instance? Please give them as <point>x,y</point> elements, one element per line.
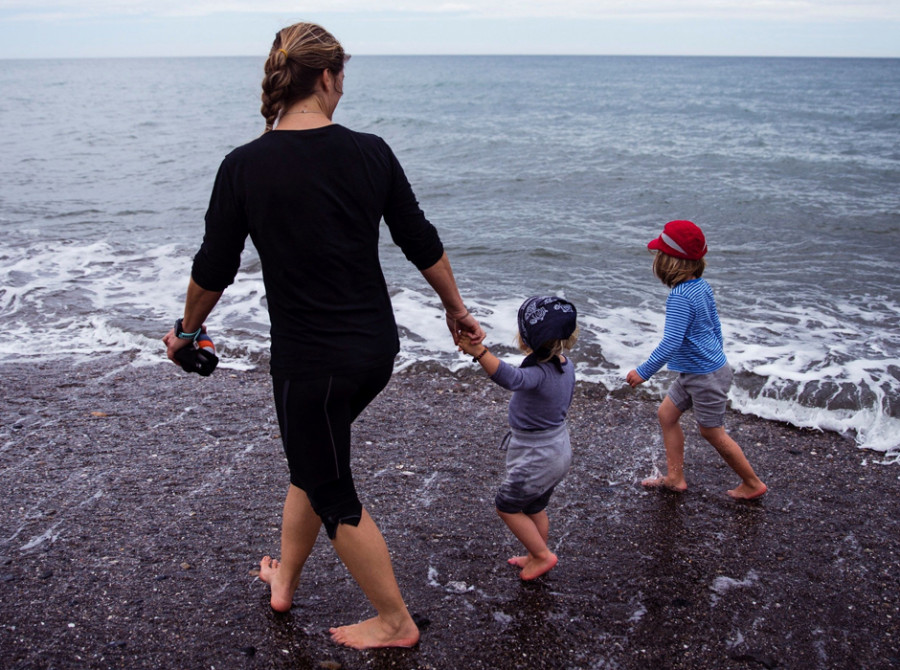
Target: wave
<point>98,299</point>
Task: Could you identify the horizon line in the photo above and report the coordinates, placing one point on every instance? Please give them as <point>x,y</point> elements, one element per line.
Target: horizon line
<point>470,55</point>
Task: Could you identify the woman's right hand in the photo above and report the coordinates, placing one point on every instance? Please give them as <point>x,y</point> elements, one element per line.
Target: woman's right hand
<point>174,343</point>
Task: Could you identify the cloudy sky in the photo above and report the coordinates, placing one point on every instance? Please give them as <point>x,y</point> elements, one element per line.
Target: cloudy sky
<point>123,28</point>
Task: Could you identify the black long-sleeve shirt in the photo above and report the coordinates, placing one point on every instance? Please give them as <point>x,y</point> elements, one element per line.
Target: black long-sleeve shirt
<point>312,202</point>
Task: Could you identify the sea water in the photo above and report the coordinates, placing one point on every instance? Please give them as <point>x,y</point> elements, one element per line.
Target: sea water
<point>542,174</point>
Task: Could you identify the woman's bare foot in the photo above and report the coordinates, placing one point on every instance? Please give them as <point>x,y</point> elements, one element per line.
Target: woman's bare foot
<point>664,483</point>
<point>518,561</point>
<point>744,492</point>
<point>376,633</point>
<point>535,567</point>
<point>282,594</point>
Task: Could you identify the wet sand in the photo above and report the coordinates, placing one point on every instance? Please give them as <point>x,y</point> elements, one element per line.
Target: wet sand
<point>136,504</point>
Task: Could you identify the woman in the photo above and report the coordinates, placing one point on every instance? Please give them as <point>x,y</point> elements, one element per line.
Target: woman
<point>311,195</point>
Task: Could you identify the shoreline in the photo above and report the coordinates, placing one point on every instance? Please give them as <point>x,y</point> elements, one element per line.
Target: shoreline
<point>137,502</point>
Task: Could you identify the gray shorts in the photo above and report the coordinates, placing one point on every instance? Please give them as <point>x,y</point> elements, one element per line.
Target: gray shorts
<point>707,394</point>
<point>536,461</point>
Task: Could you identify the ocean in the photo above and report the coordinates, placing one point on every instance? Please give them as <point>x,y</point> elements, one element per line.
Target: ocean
<point>542,174</point>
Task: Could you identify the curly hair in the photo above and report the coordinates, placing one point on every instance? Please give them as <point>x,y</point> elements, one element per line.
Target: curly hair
<point>299,55</point>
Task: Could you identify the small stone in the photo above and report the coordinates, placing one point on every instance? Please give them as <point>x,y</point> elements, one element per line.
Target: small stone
<point>421,622</point>
<point>756,657</point>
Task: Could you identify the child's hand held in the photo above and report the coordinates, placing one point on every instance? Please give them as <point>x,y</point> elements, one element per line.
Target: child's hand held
<point>633,378</point>
<point>465,344</point>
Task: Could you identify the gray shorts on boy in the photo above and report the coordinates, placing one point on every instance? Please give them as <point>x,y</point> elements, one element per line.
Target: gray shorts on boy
<point>707,394</point>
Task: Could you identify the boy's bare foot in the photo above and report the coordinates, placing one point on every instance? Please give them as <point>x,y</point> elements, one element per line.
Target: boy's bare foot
<point>518,561</point>
<point>375,633</point>
<point>744,492</point>
<point>535,567</point>
<point>282,594</point>
<point>663,483</point>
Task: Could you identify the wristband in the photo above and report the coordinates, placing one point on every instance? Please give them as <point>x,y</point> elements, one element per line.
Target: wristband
<point>181,335</point>
<point>477,358</point>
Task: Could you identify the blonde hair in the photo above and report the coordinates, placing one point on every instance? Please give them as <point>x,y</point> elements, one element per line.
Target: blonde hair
<point>554,347</point>
<point>299,55</point>
<point>672,270</point>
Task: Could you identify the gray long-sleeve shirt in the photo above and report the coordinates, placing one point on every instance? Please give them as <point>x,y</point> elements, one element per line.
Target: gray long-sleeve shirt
<point>541,394</point>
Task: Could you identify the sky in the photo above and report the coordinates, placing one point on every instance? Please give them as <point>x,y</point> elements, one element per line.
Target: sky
<point>136,28</point>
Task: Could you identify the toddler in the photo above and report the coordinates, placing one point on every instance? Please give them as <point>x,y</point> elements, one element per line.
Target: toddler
<point>538,452</point>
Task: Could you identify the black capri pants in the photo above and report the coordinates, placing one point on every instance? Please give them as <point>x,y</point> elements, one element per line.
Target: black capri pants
<point>315,415</point>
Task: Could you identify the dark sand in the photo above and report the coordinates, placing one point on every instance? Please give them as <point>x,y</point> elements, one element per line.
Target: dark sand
<point>137,502</point>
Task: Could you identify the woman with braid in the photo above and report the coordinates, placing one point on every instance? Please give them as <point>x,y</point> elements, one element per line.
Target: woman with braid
<point>311,194</point>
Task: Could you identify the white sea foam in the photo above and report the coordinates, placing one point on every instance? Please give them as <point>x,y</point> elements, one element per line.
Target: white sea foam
<point>49,534</point>
<point>94,298</point>
<point>722,584</point>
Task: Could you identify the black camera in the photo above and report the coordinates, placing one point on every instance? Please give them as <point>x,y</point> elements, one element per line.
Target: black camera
<point>199,356</point>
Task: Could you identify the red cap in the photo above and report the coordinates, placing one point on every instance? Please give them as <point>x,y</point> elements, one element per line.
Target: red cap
<point>682,239</point>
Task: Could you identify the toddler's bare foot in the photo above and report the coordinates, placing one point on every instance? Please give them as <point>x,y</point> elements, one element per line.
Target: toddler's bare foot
<point>535,567</point>
<point>664,483</point>
<point>376,633</point>
<point>518,561</point>
<point>282,594</point>
<point>744,492</point>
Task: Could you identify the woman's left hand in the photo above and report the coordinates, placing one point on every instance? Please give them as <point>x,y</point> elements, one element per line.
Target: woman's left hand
<point>467,325</point>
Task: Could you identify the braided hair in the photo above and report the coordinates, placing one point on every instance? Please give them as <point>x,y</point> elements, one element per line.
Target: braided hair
<point>299,55</point>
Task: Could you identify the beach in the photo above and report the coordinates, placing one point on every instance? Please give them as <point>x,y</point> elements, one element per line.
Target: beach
<point>137,502</point>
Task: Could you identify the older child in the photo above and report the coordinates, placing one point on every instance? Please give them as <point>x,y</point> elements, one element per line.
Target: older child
<point>692,346</point>
<point>538,452</point>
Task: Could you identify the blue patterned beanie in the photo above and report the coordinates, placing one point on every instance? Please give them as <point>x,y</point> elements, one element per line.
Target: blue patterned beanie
<point>545,318</point>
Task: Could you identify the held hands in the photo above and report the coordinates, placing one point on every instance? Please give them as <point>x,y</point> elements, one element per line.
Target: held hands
<point>467,346</point>
<point>465,325</point>
<point>633,378</point>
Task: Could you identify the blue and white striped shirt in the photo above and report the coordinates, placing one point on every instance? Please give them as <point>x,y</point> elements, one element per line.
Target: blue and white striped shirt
<point>692,341</point>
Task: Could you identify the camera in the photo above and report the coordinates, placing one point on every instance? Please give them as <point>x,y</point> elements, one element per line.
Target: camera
<point>199,356</point>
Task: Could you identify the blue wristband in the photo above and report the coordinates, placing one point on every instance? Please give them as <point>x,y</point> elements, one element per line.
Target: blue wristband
<point>181,335</point>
